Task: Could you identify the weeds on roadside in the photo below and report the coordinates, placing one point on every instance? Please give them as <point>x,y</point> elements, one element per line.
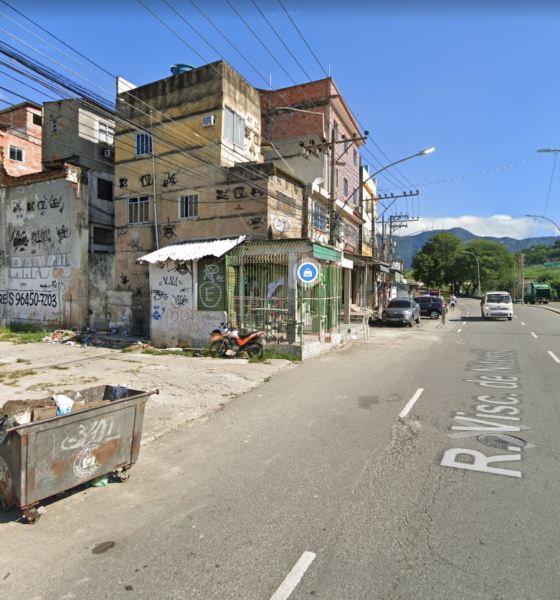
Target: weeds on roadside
<point>269,354</point>
<point>22,333</point>
<point>59,368</point>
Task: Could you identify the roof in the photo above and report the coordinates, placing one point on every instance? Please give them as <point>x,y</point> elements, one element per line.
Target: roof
<point>191,250</point>
<point>26,104</point>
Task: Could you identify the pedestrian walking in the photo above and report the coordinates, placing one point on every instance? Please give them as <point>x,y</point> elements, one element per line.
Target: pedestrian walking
<point>453,301</point>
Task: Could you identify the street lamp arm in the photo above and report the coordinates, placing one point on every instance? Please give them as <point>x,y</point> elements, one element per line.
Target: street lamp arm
<point>542,217</point>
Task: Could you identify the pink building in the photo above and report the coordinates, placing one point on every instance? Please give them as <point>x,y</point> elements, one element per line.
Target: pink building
<point>21,132</point>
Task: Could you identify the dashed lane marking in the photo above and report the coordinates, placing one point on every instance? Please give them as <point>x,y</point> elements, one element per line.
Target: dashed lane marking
<point>522,323</point>
<point>294,577</point>
<point>554,357</point>
<point>459,330</point>
<point>410,403</point>
<point>534,335</point>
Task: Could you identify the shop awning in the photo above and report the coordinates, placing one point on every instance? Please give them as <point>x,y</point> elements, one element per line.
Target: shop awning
<point>192,250</point>
<point>383,269</point>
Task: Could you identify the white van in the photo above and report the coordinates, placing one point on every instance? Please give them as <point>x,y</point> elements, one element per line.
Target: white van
<point>497,305</point>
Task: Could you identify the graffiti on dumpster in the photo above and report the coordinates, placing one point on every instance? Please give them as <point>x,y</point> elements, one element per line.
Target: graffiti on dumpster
<point>99,432</point>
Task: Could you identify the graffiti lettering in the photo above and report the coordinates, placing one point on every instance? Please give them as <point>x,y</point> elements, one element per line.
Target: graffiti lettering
<point>222,194</point>
<point>19,240</point>
<point>134,245</point>
<point>41,236</point>
<point>124,279</point>
<point>146,180</point>
<point>42,206</point>
<point>138,292</point>
<point>239,207</point>
<point>239,192</point>
<point>31,298</point>
<point>182,267</point>
<point>30,206</point>
<point>180,300</point>
<point>169,230</point>
<point>18,208</point>
<point>62,233</point>
<point>256,222</point>
<point>121,233</point>
<point>3,258</point>
<point>159,295</point>
<point>123,263</point>
<point>98,432</point>
<point>171,179</point>
<point>37,266</point>
<point>123,182</point>
<point>171,280</point>
<point>53,201</point>
<point>256,193</point>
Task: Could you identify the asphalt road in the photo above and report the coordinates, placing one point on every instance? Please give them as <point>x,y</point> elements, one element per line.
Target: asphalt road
<point>317,468</point>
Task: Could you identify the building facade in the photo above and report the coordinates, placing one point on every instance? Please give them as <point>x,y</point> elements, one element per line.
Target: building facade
<point>21,138</point>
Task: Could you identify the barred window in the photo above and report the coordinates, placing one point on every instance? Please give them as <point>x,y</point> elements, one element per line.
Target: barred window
<point>143,144</point>
<point>138,209</point>
<point>286,204</point>
<point>346,187</point>
<point>188,206</point>
<point>355,158</point>
<point>234,128</point>
<point>319,217</point>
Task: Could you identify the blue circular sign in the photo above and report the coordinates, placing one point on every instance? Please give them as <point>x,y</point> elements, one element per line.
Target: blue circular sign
<point>307,272</point>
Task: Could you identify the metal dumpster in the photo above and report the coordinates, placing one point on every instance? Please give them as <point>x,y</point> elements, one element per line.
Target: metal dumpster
<point>43,458</point>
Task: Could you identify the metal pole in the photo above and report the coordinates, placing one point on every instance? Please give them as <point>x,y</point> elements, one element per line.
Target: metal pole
<point>333,189</point>
<point>154,182</point>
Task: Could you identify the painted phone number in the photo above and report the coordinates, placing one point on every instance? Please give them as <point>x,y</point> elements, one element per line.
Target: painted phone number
<point>29,299</point>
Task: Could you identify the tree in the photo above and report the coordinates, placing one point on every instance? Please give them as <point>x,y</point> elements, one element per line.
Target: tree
<point>433,264</point>
<point>496,264</point>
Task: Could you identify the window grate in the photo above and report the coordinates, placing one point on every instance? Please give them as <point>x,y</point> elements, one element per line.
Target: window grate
<point>143,144</point>
<point>286,204</point>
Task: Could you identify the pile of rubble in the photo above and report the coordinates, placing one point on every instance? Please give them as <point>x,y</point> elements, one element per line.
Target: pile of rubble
<point>88,337</point>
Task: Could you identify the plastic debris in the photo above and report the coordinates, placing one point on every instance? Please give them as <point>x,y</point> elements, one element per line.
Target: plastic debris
<point>64,404</point>
<point>99,481</point>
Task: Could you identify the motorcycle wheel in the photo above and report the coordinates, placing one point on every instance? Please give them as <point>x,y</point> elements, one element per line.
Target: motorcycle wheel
<point>218,348</point>
<point>255,350</point>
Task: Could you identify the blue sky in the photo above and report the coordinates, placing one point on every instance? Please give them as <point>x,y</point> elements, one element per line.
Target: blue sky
<point>477,80</point>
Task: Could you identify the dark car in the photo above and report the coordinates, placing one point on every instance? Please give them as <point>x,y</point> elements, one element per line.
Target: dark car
<point>403,311</point>
<point>431,306</point>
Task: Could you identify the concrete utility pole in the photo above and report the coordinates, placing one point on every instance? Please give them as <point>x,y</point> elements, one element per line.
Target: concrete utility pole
<point>332,212</point>
<point>383,239</point>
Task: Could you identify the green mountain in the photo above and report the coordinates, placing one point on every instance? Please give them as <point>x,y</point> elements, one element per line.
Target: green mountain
<point>408,246</point>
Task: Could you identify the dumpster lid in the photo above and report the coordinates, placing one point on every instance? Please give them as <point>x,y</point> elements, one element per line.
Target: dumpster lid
<point>192,250</point>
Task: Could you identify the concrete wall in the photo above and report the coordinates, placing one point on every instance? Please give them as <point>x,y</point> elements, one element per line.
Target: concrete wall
<point>44,244</point>
<point>174,318</point>
<point>101,277</point>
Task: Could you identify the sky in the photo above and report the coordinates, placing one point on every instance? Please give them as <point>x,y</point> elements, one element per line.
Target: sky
<point>479,80</point>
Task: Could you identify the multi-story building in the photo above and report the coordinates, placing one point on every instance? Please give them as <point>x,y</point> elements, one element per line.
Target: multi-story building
<point>20,138</point>
<point>189,167</point>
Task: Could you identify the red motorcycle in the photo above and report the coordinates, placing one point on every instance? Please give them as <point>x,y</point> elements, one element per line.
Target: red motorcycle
<point>230,343</point>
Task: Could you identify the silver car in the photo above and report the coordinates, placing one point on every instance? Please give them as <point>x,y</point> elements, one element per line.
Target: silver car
<point>406,312</point>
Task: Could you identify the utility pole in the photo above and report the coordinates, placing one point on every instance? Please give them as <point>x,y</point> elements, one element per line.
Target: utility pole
<point>332,212</point>
<point>383,239</point>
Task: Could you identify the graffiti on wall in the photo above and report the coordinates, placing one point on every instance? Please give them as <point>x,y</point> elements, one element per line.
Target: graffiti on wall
<point>210,291</point>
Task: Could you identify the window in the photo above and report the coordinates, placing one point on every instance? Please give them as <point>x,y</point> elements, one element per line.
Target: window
<point>319,217</point>
<point>188,206</point>
<point>37,120</point>
<point>143,144</point>
<point>16,154</point>
<point>103,237</point>
<point>345,146</point>
<point>104,189</point>
<point>138,209</point>
<point>234,128</point>
<point>107,133</point>
<point>286,204</point>
<point>55,126</point>
<point>335,127</point>
<point>355,158</point>
<point>346,187</point>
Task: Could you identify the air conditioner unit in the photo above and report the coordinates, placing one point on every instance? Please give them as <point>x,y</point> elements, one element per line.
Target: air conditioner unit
<point>208,121</point>
<point>108,153</point>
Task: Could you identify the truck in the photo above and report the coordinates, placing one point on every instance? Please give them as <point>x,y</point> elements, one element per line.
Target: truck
<point>538,292</point>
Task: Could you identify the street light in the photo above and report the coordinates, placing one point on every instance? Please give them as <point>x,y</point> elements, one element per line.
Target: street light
<point>541,216</point>
<point>477,267</point>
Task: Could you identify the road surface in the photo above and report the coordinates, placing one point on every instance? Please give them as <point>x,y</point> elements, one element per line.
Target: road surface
<point>423,465</point>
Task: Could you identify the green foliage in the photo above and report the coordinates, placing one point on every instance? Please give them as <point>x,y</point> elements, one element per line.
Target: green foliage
<point>539,254</point>
<point>22,333</point>
<point>269,353</point>
<point>442,262</point>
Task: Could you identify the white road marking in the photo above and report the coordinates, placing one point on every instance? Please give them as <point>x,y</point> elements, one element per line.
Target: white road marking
<point>534,335</point>
<point>410,403</point>
<point>522,323</point>
<point>459,330</point>
<point>554,357</point>
<point>294,577</point>
<point>515,316</point>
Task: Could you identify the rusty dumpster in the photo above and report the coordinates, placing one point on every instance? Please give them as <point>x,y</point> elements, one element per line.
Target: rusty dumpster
<point>46,457</point>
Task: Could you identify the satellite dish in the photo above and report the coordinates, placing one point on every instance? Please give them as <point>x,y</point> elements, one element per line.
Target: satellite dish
<point>281,225</point>
<point>367,237</point>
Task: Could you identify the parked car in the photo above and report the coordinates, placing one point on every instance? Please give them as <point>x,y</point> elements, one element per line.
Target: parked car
<point>406,312</point>
<point>496,305</point>
<point>517,301</point>
<point>431,306</point>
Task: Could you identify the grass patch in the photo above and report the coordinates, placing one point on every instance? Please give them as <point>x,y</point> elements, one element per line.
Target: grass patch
<point>269,353</point>
<point>127,350</point>
<point>23,360</point>
<point>59,368</point>
<point>19,374</point>
<point>22,333</point>
<point>39,386</point>
<point>154,352</point>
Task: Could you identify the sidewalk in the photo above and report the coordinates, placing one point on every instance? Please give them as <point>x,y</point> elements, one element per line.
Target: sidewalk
<point>189,387</point>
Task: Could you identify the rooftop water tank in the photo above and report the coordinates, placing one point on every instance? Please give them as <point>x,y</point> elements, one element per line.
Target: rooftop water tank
<point>181,68</point>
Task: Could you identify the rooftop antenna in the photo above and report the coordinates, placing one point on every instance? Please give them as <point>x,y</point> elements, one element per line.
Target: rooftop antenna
<point>329,69</point>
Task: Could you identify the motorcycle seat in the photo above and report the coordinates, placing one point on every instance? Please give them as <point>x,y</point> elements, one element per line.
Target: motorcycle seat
<point>244,336</point>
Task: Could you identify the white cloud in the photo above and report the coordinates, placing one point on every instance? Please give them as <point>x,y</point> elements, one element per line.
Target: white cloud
<point>496,226</point>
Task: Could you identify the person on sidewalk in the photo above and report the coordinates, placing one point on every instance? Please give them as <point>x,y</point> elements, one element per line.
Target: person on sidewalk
<point>453,301</point>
